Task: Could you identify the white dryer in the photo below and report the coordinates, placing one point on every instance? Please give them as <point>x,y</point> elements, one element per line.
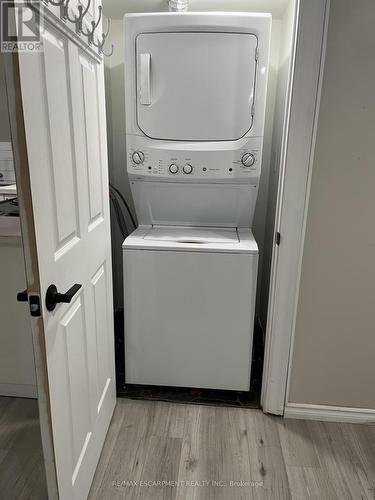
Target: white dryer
<point>195,103</point>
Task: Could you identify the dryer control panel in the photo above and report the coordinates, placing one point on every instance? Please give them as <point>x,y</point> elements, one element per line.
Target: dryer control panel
<point>199,163</point>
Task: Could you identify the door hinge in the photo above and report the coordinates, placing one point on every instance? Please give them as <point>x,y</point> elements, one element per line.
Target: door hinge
<point>278,238</point>
<point>256,54</point>
<point>253,110</point>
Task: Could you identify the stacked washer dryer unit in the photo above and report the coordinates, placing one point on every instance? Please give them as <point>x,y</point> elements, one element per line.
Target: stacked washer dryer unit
<point>195,106</point>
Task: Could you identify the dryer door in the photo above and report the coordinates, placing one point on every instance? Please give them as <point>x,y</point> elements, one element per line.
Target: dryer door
<point>195,86</point>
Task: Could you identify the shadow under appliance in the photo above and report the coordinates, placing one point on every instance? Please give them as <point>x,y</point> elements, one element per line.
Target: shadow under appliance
<point>195,104</point>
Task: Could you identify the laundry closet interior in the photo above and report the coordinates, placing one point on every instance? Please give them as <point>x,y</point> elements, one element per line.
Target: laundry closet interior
<point>181,171</point>
<point>231,285</point>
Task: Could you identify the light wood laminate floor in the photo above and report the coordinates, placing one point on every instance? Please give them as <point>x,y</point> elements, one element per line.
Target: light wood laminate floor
<point>204,448</point>
<point>199,450</point>
<point>22,474</point>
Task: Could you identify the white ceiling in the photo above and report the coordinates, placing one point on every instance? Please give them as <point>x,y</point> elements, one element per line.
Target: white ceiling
<point>115,9</point>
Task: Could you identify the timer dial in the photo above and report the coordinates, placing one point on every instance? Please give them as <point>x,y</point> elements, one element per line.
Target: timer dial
<point>248,160</point>
<point>138,157</point>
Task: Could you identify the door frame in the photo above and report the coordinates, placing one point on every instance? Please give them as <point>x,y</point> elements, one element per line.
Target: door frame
<point>297,157</point>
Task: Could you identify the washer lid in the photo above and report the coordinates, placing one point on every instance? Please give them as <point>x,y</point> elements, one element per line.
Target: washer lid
<point>192,239</point>
<point>192,235</point>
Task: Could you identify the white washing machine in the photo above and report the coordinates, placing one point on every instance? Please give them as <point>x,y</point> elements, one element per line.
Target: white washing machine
<point>195,103</point>
<point>189,306</point>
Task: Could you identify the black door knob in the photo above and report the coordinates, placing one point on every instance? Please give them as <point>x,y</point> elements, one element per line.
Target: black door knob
<point>53,297</point>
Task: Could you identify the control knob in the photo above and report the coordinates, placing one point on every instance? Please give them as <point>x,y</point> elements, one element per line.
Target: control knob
<point>187,169</point>
<point>138,157</point>
<point>173,168</point>
<point>248,159</point>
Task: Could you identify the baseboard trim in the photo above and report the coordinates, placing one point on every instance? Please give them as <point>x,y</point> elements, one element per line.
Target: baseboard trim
<point>19,390</point>
<point>330,413</point>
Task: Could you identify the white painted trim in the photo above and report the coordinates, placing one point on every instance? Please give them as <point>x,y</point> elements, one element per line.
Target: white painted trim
<point>330,413</point>
<point>268,357</point>
<point>19,390</point>
<point>292,201</point>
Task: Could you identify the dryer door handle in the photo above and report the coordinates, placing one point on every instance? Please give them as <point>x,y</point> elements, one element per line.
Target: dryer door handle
<point>145,79</point>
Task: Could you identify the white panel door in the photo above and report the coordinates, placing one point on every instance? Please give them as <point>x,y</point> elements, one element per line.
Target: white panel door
<point>64,114</point>
<point>195,86</point>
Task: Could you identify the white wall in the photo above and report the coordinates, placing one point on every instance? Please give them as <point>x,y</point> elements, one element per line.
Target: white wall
<point>115,103</point>
<point>115,9</point>
<point>260,216</point>
<point>7,174</point>
<point>17,368</point>
<point>4,120</point>
<point>268,199</point>
<point>333,355</point>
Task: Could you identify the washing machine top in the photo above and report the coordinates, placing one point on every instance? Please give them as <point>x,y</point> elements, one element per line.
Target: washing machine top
<point>196,235</point>
<point>195,239</point>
